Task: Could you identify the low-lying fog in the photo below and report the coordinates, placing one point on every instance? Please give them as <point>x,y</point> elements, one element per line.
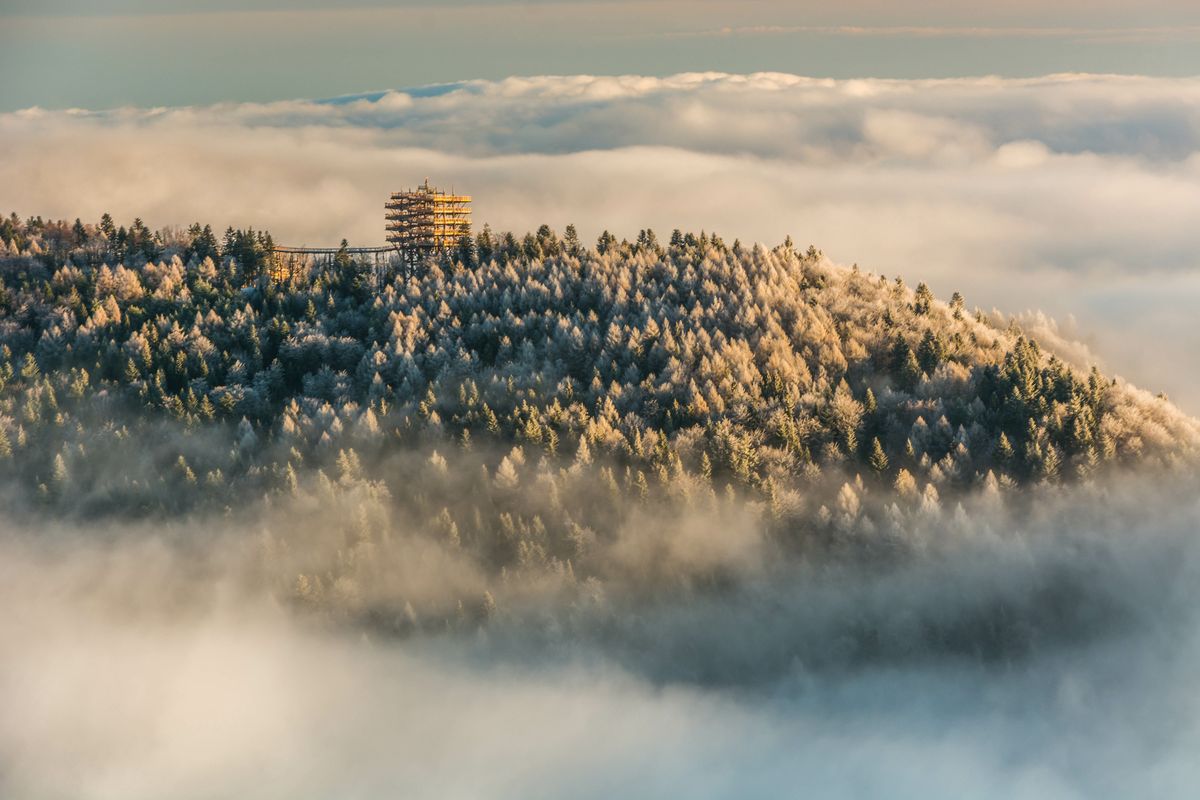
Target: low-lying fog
<point>1051,653</point>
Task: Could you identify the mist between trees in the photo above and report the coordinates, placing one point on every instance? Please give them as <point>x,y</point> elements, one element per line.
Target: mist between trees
<point>1049,649</point>
<point>530,418</point>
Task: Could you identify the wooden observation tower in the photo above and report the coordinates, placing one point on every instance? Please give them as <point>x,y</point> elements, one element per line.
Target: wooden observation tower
<point>425,221</point>
<point>420,223</point>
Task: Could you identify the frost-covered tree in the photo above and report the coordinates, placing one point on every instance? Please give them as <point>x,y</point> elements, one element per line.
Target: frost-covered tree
<point>537,391</point>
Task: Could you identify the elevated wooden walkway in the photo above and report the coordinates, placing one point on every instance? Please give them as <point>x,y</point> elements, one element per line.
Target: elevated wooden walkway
<point>287,263</point>
<point>333,251</point>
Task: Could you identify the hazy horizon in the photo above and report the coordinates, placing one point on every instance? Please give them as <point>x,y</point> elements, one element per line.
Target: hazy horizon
<point>138,52</point>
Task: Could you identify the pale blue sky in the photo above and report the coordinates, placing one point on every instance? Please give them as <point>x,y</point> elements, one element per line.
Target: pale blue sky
<point>104,53</point>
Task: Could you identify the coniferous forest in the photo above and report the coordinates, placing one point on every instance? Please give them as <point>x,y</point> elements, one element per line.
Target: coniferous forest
<point>530,416</point>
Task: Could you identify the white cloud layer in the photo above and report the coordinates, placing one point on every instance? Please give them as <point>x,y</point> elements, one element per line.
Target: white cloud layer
<point>1047,654</point>
<point>1071,194</point>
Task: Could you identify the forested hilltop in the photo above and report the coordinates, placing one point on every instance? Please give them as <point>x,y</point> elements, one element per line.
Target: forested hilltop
<point>527,407</point>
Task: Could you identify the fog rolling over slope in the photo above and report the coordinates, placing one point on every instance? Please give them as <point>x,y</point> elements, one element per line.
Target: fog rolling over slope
<point>1047,660</point>
<point>675,515</point>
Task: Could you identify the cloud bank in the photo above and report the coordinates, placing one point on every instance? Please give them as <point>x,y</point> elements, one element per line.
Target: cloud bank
<point>1070,194</point>
<point>1044,654</point>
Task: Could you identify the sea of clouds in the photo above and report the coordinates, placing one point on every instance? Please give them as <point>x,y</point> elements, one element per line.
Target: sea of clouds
<point>1049,652</point>
<point>1070,194</point>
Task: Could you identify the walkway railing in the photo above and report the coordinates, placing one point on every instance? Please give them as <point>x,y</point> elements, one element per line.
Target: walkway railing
<point>287,263</point>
